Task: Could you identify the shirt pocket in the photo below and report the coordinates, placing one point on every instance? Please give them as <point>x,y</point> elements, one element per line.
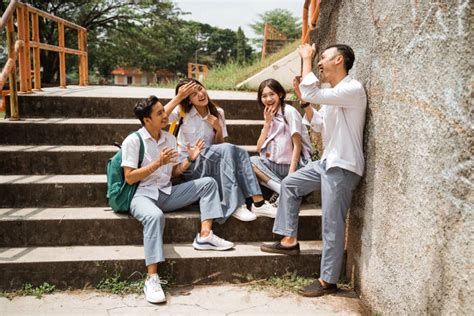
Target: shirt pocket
<point>189,134</point>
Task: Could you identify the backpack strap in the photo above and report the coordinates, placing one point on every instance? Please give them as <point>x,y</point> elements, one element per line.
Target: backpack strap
<point>176,124</point>
<point>142,150</point>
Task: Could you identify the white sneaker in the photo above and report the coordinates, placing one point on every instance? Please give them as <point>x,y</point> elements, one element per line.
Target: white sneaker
<point>211,242</point>
<point>153,291</point>
<point>266,209</point>
<point>242,213</point>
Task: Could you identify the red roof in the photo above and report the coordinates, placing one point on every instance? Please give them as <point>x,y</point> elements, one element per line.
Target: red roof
<point>127,71</point>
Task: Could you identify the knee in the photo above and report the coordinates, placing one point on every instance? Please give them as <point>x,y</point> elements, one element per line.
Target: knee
<point>226,147</point>
<point>254,159</point>
<point>155,217</point>
<point>209,183</point>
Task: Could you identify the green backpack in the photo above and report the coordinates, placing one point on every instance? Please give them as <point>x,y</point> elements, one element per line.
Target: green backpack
<point>119,192</point>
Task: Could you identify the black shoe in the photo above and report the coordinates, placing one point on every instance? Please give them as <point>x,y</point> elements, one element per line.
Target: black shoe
<point>315,289</point>
<point>279,248</point>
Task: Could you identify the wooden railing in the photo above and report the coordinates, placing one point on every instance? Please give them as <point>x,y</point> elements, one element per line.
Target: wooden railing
<point>27,22</point>
<point>314,5</point>
<point>197,71</point>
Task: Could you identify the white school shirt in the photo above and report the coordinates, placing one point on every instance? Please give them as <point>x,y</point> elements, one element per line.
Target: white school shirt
<point>340,120</point>
<point>160,180</point>
<point>295,123</point>
<point>194,127</point>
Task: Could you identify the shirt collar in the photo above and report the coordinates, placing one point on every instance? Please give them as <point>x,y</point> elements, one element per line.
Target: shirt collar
<point>346,79</point>
<point>194,112</point>
<point>146,135</point>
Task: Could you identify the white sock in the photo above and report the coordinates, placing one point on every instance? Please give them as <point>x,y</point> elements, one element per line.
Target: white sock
<point>273,185</point>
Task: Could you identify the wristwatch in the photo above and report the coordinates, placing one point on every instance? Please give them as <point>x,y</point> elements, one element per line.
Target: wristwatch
<point>304,104</point>
<point>189,159</point>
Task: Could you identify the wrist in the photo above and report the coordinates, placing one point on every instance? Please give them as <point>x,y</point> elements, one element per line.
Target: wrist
<point>190,160</point>
<point>304,104</point>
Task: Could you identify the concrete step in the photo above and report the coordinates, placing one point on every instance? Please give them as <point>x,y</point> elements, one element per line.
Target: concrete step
<point>59,159</point>
<point>51,191</point>
<point>100,226</point>
<point>86,131</point>
<point>38,106</point>
<point>79,266</point>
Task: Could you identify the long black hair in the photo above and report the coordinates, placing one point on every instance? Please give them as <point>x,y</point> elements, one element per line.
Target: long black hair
<point>276,87</point>
<point>186,103</point>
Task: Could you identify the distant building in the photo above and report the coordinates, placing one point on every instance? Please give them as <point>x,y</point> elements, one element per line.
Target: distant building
<point>164,75</point>
<point>127,76</point>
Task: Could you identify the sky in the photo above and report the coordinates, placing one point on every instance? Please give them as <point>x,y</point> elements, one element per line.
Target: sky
<point>234,13</point>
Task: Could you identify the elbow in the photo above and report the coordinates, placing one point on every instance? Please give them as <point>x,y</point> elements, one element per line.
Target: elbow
<point>129,181</point>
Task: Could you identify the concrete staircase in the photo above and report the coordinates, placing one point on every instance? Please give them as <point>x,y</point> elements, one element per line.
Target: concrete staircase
<point>55,225</point>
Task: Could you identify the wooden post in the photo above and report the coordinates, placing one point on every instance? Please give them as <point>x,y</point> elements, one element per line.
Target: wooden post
<point>62,56</point>
<point>27,48</point>
<point>86,58</point>
<point>264,46</point>
<point>21,52</point>
<point>36,52</point>
<point>83,59</point>
<point>304,26</point>
<point>15,115</point>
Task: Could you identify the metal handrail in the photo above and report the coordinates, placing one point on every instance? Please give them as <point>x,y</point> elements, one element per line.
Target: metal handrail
<point>27,17</point>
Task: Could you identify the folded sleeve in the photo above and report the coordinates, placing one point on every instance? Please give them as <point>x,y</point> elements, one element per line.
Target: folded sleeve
<point>345,94</point>
<point>130,151</point>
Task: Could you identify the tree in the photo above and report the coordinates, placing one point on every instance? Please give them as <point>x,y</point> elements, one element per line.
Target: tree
<point>241,42</point>
<point>282,19</point>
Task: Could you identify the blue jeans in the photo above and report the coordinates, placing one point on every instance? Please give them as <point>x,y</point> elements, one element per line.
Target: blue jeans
<point>230,166</point>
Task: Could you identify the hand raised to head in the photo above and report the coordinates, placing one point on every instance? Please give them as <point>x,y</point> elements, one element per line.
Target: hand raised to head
<point>307,51</point>
<point>185,90</point>
<point>268,114</point>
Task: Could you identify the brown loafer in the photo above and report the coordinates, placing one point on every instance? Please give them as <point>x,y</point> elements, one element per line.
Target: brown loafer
<point>316,289</point>
<point>279,248</point>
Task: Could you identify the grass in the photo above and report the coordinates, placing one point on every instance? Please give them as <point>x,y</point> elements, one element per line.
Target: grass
<point>29,290</point>
<point>289,282</point>
<point>121,287</point>
<point>226,77</point>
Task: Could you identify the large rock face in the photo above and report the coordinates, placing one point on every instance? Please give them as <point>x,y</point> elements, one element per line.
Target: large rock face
<point>410,241</point>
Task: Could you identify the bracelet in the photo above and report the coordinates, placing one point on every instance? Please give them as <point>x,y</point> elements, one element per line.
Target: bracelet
<point>304,105</point>
<point>190,160</point>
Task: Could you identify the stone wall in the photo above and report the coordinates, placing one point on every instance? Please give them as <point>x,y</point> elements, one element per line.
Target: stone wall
<point>410,232</point>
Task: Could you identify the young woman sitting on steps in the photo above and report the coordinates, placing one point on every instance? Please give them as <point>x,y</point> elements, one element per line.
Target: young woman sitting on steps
<point>284,143</point>
<point>228,164</point>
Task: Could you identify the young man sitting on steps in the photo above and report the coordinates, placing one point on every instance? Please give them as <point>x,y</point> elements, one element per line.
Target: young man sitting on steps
<point>155,194</point>
<point>341,122</point>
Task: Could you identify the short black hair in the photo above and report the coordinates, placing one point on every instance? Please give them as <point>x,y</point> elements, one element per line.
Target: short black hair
<point>143,107</point>
<point>347,53</point>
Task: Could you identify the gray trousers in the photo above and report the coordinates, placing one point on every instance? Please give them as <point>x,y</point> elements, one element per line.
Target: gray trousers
<point>150,212</point>
<point>337,186</point>
<point>230,166</point>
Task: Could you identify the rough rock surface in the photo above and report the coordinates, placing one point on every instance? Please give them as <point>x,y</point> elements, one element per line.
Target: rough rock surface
<point>411,225</point>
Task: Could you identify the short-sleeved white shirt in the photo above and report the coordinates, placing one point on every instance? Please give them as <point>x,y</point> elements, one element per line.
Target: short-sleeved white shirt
<point>160,180</point>
<point>295,124</point>
<point>194,127</point>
